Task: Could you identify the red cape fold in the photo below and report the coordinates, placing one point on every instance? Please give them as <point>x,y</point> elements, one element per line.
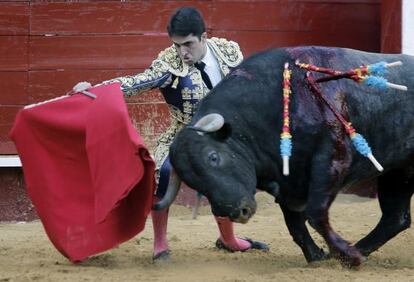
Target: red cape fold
<point>87,171</point>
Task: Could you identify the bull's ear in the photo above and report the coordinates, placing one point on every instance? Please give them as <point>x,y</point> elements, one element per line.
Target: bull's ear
<point>223,133</point>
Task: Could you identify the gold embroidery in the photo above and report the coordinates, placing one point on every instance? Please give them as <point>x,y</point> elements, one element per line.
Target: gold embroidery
<point>199,92</point>
<point>228,51</point>
<point>225,69</point>
<point>172,59</point>
<point>187,107</point>
<point>178,115</point>
<point>141,82</point>
<point>186,93</point>
<point>175,83</point>
<point>164,142</point>
<point>196,78</point>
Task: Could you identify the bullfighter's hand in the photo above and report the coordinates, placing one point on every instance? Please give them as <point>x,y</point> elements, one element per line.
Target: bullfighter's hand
<point>81,86</point>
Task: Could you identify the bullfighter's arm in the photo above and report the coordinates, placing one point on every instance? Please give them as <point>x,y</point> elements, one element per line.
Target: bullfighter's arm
<point>157,75</point>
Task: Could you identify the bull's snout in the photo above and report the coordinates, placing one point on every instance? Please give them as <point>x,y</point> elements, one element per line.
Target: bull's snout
<point>240,211</point>
<point>246,210</point>
<point>245,214</point>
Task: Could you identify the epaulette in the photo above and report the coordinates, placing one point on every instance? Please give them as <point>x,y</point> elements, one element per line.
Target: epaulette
<point>175,65</point>
<point>229,51</point>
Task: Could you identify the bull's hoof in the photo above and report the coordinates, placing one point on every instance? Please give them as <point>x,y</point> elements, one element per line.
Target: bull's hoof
<point>353,260</point>
<point>317,255</point>
<point>256,245</point>
<point>163,256</point>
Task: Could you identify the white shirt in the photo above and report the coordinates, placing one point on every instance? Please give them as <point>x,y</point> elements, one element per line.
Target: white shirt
<point>212,67</point>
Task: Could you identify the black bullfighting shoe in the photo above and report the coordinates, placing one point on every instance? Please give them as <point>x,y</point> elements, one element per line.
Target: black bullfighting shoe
<point>257,245</point>
<point>163,256</point>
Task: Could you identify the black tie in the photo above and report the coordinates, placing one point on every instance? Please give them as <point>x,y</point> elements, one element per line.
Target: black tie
<point>200,66</point>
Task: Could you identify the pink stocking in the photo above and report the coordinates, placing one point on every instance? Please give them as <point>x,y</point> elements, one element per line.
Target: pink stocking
<point>227,235</point>
<point>159,224</point>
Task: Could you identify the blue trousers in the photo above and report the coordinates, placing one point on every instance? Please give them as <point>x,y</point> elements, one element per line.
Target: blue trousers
<point>164,178</point>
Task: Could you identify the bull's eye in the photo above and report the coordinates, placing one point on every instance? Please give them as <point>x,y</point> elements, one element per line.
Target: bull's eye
<point>214,158</point>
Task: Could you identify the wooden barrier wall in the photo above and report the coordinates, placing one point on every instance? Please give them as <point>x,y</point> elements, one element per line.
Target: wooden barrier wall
<point>391,26</point>
<point>46,47</point>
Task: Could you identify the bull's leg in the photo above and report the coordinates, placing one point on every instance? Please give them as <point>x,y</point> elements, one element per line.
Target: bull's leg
<point>318,218</point>
<point>320,197</point>
<point>394,195</point>
<point>295,222</point>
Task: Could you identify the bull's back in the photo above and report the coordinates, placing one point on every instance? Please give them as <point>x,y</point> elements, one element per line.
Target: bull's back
<point>252,101</point>
<point>384,117</point>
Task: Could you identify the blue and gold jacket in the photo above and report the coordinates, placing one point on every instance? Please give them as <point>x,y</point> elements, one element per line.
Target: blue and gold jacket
<point>180,84</point>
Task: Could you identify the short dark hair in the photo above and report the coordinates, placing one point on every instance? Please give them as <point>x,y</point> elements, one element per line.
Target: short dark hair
<point>185,21</point>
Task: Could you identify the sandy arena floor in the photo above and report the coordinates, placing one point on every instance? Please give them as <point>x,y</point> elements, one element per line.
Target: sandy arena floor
<point>27,255</point>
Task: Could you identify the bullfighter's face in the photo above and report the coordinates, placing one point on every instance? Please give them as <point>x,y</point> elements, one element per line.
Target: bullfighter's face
<point>190,48</point>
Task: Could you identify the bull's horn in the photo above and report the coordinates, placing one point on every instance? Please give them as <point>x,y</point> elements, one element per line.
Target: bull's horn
<point>209,123</point>
<point>172,191</point>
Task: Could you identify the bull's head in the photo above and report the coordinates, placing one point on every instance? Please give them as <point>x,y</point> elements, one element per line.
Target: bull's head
<point>208,158</point>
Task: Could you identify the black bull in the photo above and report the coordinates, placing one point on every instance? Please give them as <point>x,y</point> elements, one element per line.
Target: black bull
<point>227,163</point>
